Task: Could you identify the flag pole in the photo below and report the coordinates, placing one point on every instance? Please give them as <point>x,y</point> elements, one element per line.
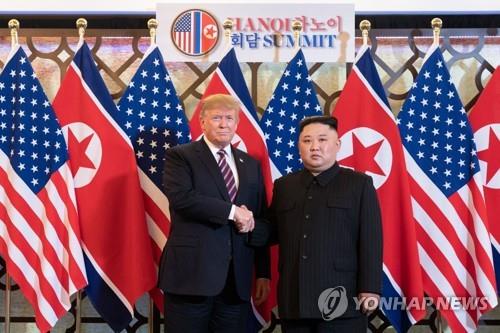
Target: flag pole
<point>228,28</point>
<point>14,41</point>
<point>7,303</point>
<point>81,25</point>
<point>436,24</point>
<point>14,29</point>
<point>152,26</point>
<point>297,28</point>
<point>365,27</point>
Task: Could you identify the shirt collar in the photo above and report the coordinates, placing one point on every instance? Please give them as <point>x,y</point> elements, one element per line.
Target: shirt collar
<point>323,178</point>
<point>214,149</point>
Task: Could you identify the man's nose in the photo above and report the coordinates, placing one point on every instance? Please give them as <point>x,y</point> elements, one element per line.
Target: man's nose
<point>314,145</point>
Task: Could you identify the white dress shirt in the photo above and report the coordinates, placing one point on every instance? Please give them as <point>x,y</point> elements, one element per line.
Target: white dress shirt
<point>230,161</point>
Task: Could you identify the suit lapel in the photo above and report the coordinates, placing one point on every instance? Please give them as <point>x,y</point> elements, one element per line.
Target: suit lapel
<point>208,159</point>
<point>242,174</point>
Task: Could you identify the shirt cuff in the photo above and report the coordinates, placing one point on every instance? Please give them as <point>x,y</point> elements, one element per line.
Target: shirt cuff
<point>231,213</point>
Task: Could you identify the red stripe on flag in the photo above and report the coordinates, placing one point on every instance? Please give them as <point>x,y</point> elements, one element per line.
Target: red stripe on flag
<point>35,223</point>
<point>75,271</point>
<point>482,258</point>
<point>32,257</point>
<point>441,221</point>
<point>17,274</point>
<point>451,317</point>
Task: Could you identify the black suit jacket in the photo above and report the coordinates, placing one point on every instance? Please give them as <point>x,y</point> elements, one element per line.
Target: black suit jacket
<point>202,241</point>
<point>329,235</point>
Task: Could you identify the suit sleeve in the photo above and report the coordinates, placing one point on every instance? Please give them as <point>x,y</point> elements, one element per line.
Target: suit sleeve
<point>258,237</point>
<point>370,241</point>
<point>183,197</point>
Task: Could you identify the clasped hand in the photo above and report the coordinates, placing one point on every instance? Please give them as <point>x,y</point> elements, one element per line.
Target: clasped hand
<point>243,219</point>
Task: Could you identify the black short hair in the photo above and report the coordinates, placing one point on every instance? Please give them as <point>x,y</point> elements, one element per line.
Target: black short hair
<point>326,120</point>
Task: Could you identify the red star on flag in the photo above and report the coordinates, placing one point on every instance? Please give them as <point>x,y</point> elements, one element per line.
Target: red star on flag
<point>80,159</point>
<point>488,155</point>
<point>359,151</point>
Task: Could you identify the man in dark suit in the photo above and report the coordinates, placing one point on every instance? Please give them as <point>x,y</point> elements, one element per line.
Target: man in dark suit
<point>216,195</point>
<point>326,220</point>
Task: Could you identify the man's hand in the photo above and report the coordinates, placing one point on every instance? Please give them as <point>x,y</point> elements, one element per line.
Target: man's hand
<point>262,289</point>
<point>243,218</point>
<point>369,302</point>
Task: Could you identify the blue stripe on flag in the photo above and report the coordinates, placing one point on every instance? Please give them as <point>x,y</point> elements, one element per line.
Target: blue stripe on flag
<point>197,32</point>
<point>92,78</point>
<point>104,300</point>
<point>399,318</point>
<point>496,262</point>
<point>367,67</point>
<point>230,68</point>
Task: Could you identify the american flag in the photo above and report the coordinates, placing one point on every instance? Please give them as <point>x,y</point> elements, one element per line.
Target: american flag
<point>371,144</point>
<point>293,99</point>
<point>39,230</point>
<point>485,121</point>
<point>447,197</point>
<point>154,120</point>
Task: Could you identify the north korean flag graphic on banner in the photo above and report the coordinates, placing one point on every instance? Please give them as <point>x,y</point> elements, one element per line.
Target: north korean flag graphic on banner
<point>117,247</point>
<point>371,144</point>
<point>485,122</point>
<point>228,79</point>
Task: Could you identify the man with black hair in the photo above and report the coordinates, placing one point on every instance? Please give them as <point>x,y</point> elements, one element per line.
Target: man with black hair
<point>326,220</point>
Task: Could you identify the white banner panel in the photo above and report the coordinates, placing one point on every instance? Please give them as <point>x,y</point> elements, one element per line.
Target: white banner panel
<point>261,32</point>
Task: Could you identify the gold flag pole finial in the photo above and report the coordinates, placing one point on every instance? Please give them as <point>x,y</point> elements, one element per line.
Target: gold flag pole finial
<point>152,26</point>
<point>297,29</point>
<point>228,28</point>
<point>14,30</point>
<point>436,24</point>
<point>365,27</point>
<point>81,25</point>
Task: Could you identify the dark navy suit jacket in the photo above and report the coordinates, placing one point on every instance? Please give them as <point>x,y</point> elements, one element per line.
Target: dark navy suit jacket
<point>202,240</point>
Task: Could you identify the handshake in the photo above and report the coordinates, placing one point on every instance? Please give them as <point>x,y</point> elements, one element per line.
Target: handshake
<point>243,219</point>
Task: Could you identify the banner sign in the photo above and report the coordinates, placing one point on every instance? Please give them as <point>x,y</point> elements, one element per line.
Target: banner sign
<point>261,32</point>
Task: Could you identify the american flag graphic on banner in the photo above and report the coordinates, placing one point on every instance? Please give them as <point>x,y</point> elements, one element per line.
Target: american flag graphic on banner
<point>293,99</point>
<point>447,196</point>
<point>39,228</point>
<point>154,120</point>
<point>195,32</point>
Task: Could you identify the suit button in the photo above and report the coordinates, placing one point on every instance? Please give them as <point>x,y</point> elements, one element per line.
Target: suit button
<point>309,197</point>
<point>304,257</point>
<point>307,216</point>
<point>305,235</point>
